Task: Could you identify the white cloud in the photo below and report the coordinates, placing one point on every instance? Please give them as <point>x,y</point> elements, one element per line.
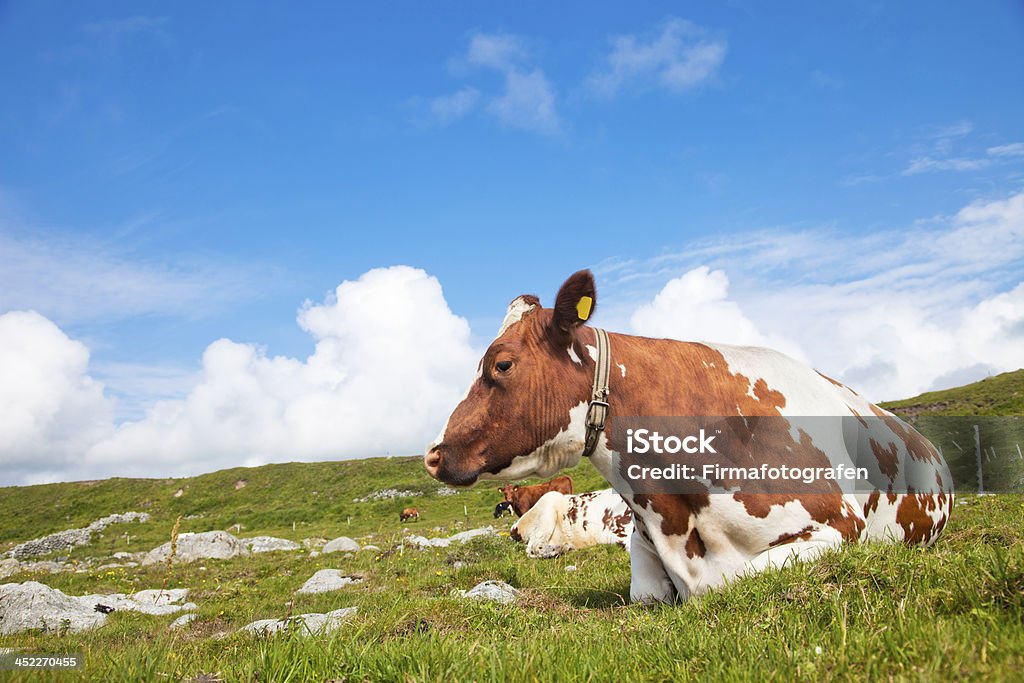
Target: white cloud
<point>496,51</point>
<point>679,58</point>
<point>51,411</point>
<point>527,102</point>
<point>893,314</point>
<point>526,99</point>
<point>1015,149</point>
<point>928,164</point>
<point>390,361</point>
<point>460,103</point>
<point>76,279</point>
<point>696,307</point>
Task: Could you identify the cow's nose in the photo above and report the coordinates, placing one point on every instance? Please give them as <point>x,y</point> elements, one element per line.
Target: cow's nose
<point>432,461</point>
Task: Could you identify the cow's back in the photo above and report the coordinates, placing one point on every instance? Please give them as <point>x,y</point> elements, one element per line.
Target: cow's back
<point>914,487</point>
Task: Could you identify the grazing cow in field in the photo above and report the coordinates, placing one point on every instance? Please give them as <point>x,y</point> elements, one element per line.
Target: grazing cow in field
<point>503,508</point>
<point>559,523</point>
<point>408,514</point>
<point>539,402</point>
<point>523,498</point>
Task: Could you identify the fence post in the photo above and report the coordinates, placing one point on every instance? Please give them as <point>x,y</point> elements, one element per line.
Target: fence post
<point>977,455</point>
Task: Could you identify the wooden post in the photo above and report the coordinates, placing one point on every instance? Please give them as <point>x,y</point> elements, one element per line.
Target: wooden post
<point>977,455</point>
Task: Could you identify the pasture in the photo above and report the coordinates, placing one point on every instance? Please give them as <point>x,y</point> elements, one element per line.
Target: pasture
<point>870,612</point>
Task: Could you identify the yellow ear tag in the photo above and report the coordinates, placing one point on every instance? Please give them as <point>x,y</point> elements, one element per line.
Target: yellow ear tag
<point>583,307</point>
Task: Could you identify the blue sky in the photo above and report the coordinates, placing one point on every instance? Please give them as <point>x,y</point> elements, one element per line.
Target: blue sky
<point>173,174</point>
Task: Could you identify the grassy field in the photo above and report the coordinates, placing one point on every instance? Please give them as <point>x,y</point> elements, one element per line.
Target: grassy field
<point>866,612</point>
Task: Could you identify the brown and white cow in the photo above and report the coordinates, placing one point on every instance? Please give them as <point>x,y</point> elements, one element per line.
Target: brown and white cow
<point>409,514</point>
<point>559,523</point>
<point>523,498</point>
<point>524,415</point>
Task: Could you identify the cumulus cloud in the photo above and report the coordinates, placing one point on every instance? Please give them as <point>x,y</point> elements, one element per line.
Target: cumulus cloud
<point>390,362</point>
<point>696,306</point>
<point>51,410</point>
<point>893,314</point>
<point>526,99</point>
<point>678,58</point>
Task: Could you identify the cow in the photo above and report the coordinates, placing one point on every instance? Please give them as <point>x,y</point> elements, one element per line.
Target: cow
<point>525,497</point>
<point>533,409</point>
<point>409,514</point>
<point>503,508</point>
<point>559,523</point>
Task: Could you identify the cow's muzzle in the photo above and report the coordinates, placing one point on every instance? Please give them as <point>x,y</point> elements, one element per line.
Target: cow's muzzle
<point>440,467</point>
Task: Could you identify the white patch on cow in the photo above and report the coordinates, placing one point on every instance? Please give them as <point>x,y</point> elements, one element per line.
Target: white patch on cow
<point>623,368</point>
<point>560,452</point>
<point>516,310</point>
<point>575,358</point>
<point>592,350</point>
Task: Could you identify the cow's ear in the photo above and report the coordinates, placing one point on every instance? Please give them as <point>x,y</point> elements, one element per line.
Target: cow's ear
<point>575,302</point>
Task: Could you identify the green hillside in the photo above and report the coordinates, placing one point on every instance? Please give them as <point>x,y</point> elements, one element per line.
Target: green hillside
<point>999,395</point>
<point>291,500</point>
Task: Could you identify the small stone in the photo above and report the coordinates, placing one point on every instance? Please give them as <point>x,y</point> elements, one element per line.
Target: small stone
<point>183,620</point>
<point>342,544</point>
<point>327,580</point>
<point>496,591</point>
<point>304,624</point>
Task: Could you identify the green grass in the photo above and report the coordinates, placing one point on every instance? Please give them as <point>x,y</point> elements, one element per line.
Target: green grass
<point>873,612</point>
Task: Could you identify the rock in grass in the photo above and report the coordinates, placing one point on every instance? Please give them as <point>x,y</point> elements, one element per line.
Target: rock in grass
<point>269,544</point>
<point>496,591</point>
<point>34,605</point>
<point>304,624</point>
<point>342,544</point>
<point>183,620</point>
<point>327,580</point>
<point>461,537</point>
<point>218,545</point>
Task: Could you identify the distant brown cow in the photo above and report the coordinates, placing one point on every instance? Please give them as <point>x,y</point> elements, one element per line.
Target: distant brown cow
<point>409,513</point>
<point>525,497</point>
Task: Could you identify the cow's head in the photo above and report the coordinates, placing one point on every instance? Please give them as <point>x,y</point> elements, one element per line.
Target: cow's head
<point>524,413</point>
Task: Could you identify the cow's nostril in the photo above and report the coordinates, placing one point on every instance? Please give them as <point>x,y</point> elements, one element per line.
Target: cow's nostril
<point>432,461</point>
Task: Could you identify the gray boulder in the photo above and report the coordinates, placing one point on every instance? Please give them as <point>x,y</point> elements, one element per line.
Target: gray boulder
<point>33,605</point>
<point>342,544</point>
<point>218,545</point>
<point>496,591</point>
<point>327,580</point>
<point>304,624</point>
<point>461,537</point>
<point>269,544</point>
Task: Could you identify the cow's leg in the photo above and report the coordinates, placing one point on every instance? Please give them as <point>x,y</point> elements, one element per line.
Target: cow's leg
<point>789,553</point>
<point>649,582</point>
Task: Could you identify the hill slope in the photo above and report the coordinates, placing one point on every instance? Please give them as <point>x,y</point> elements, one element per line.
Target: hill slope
<point>999,395</point>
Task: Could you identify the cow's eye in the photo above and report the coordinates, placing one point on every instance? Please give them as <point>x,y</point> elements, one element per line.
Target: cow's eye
<point>503,365</point>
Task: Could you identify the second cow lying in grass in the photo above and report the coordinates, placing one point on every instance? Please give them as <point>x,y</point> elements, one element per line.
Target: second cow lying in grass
<point>559,523</point>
